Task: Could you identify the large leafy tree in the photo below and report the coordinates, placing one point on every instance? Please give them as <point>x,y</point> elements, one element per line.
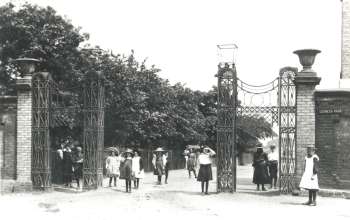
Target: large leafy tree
<point>142,109</point>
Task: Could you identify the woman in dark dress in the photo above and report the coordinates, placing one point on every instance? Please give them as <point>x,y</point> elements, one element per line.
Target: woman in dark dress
<point>67,166</point>
<point>261,175</point>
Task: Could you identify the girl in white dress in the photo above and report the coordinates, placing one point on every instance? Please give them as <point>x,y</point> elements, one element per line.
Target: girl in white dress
<point>112,166</point>
<point>309,180</point>
<point>137,169</point>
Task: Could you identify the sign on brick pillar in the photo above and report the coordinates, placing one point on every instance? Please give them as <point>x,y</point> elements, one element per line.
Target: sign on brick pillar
<point>305,81</point>
<point>24,122</point>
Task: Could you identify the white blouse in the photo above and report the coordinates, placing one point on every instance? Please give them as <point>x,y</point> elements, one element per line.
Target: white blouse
<point>272,156</point>
<point>204,159</point>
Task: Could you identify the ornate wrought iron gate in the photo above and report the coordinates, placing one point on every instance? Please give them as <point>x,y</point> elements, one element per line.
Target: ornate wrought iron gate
<point>226,134</point>
<point>287,129</point>
<point>47,106</point>
<point>93,132</point>
<point>273,102</point>
<point>41,171</point>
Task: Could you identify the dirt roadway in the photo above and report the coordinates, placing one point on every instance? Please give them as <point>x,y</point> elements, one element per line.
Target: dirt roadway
<point>180,199</point>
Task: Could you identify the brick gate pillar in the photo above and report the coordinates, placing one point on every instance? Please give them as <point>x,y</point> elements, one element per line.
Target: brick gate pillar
<point>24,123</point>
<point>305,81</point>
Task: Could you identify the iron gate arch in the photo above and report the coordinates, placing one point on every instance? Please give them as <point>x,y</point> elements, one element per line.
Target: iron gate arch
<point>46,108</point>
<point>280,110</point>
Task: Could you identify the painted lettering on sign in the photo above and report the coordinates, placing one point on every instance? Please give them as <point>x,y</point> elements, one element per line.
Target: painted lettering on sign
<point>329,111</point>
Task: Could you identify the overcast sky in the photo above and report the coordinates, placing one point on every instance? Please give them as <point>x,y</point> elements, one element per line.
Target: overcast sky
<point>180,36</point>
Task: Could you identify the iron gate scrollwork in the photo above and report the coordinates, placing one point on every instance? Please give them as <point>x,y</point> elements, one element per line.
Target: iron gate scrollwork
<point>287,129</point>
<point>48,106</point>
<point>274,102</point>
<point>226,151</point>
<point>41,92</point>
<point>93,137</point>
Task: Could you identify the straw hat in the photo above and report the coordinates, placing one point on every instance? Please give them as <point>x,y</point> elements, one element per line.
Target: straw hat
<point>159,149</point>
<point>129,151</point>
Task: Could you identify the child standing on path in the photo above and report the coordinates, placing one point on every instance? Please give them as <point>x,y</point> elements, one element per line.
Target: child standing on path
<point>126,169</point>
<point>309,180</point>
<point>112,166</point>
<point>205,172</point>
<point>137,168</point>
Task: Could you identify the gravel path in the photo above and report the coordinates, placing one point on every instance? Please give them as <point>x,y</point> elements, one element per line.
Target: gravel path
<point>180,199</point>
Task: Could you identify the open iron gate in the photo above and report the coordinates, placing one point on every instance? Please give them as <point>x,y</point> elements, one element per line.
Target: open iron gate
<point>235,101</point>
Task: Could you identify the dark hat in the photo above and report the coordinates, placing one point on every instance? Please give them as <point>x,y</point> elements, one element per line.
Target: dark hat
<point>272,146</point>
<point>259,145</point>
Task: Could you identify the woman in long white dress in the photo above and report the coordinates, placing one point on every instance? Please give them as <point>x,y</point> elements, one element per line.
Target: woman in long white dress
<point>309,180</point>
<point>112,166</point>
<point>137,168</point>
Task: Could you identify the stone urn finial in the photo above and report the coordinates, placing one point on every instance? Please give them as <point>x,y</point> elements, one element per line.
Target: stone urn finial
<point>307,59</point>
<point>26,66</point>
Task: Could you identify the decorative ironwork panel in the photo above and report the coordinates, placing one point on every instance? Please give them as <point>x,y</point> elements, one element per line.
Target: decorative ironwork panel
<point>287,129</point>
<point>93,140</point>
<point>226,134</point>
<point>41,172</point>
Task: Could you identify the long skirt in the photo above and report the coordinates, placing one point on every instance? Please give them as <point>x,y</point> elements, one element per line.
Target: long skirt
<point>273,167</point>
<point>158,171</point>
<point>261,175</point>
<point>78,170</point>
<point>126,170</point>
<point>205,173</point>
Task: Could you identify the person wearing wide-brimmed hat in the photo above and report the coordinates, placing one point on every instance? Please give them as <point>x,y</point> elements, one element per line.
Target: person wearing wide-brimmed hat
<point>113,166</point>
<point>159,162</point>
<point>273,165</point>
<point>261,175</point>
<point>137,168</point>
<point>205,172</point>
<point>309,180</point>
<point>126,169</point>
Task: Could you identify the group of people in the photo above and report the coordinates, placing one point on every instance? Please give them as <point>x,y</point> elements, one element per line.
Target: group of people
<point>266,166</point>
<point>127,166</point>
<point>69,163</point>
<point>204,161</point>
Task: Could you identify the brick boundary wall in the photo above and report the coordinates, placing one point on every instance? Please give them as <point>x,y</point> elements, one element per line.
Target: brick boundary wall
<point>333,137</point>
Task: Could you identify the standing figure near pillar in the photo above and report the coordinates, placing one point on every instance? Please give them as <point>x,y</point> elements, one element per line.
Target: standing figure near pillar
<point>78,165</point>
<point>67,165</point>
<point>205,172</point>
<point>309,180</point>
<point>261,175</point>
<point>273,165</point>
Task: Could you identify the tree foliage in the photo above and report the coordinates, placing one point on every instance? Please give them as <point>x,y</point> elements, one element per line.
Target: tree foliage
<point>142,109</point>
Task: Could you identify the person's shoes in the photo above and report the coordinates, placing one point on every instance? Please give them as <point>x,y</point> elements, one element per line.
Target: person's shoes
<point>257,189</point>
<point>313,203</point>
<point>263,189</point>
<point>166,182</point>
<point>307,203</point>
<point>206,193</point>
<point>110,185</point>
